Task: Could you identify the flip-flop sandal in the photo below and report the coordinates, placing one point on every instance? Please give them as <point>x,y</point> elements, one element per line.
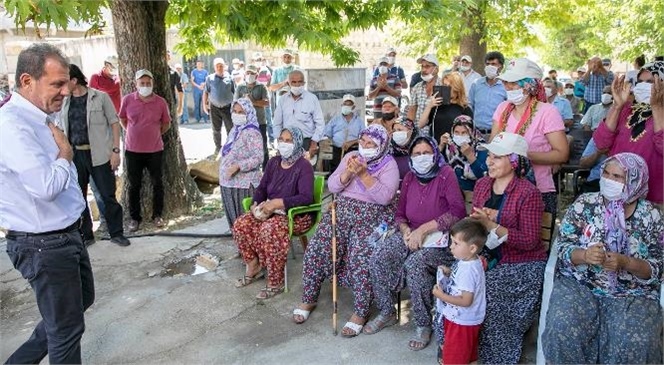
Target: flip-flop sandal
<point>246,280</point>
<point>301,312</point>
<point>422,336</point>
<point>267,292</point>
<point>356,328</point>
<point>378,323</point>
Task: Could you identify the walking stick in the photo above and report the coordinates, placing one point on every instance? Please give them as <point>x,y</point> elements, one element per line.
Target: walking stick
<point>334,268</point>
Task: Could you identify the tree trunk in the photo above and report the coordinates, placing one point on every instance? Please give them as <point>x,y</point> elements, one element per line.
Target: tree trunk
<point>140,36</point>
<point>472,41</point>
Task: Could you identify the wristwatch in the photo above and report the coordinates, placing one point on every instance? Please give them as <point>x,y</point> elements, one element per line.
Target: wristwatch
<point>115,150</point>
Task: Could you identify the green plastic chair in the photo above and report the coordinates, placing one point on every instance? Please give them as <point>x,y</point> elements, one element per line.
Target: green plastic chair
<point>316,207</point>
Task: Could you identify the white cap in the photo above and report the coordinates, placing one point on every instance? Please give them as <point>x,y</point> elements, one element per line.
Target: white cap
<point>431,58</point>
<point>348,97</point>
<point>383,60</point>
<point>390,50</point>
<point>177,65</point>
<point>257,56</point>
<point>235,60</point>
<point>466,58</point>
<point>390,99</point>
<point>519,69</point>
<point>112,60</point>
<point>504,144</point>
<point>218,61</point>
<point>288,51</point>
<point>581,69</point>
<point>143,72</point>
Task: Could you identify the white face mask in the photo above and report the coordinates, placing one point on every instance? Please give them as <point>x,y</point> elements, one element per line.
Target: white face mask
<point>642,92</point>
<point>611,190</point>
<point>368,153</point>
<point>390,60</point>
<point>427,78</point>
<point>145,91</point>
<point>296,90</point>
<point>250,79</point>
<point>516,97</point>
<point>346,109</point>
<point>382,70</point>
<point>491,71</point>
<point>464,68</point>
<point>422,163</point>
<point>285,149</point>
<point>607,98</point>
<point>568,92</point>
<point>400,137</point>
<point>238,119</point>
<point>548,91</point>
<point>459,140</point>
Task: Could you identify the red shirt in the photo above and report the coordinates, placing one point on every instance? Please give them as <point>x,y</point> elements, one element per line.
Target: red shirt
<point>109,86</point>
<point>521,213</point>
<point>144,121</point>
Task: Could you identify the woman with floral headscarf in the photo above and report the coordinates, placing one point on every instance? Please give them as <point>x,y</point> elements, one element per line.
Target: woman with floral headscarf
<point>262,234</point>
<point>241,157</point>
<point>527,114</point>
<point>604,308</point>
<point>365,184</point>
<point>461,153</point>
<point>429,204</point>
<point>638,127</point>
<point>403,134</point>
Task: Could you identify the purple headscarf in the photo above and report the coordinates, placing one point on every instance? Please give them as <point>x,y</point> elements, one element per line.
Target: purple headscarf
<point>252,122</point>
<point>381,138</point>
<point>438,160</point>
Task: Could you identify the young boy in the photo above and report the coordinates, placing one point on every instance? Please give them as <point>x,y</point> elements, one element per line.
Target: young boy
<point>464,297</point>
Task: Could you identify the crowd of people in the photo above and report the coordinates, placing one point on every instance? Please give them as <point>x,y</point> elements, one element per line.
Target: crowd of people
<point>400,219</point>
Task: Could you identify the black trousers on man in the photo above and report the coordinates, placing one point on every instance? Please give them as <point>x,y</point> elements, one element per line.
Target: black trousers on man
<point>336,156</point>
<point>58,268</point>
<point>219,116</point>
<point>136,163</point>
<point>266,156</point>
<point>104,178</point>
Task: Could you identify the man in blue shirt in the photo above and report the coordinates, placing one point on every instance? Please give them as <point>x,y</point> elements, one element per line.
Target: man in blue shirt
<point>595,79</point>
<point>344,130</point>
<point>198,77</point>
<point>217,100</point>
<point>392,68</point>
<point>487,93</point>
<point>563,105</point>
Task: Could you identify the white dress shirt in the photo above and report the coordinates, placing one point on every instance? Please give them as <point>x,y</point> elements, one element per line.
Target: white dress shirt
<point>39,192</point>
<point>304,113</point>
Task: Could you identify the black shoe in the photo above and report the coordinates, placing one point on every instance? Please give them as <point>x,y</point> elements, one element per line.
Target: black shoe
<point>89,241</point>
<point>120,240</point>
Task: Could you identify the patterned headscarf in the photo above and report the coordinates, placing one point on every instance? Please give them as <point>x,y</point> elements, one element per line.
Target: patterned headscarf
<point>641,112</point>
<point>397,150</point>
<point>381,138</point>
<point>298,148</point>
<point>252,122</point>
<point>534,87</point>
<point>438,160</point>
<point>636,187</point>
<point>452,153</point>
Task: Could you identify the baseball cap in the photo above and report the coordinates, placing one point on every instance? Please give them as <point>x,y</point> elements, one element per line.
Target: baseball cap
<point>235,60</point>
<point>467,58</point>
<point>257,56</point>
<point>581,69</point>
<point>177,65</point>
<point>519,69</point>
<point>348,97</point>
<point>112,60</point>
<point>390,99</point>
<point>505,143</point>
<point>218,60</point>
<point>606,61</point>
<point>288,51</point>
<point>390,50</point>
<point>252,68</point>
<point>431,58</point>
<point>143,72</point>
<point>383,60</point>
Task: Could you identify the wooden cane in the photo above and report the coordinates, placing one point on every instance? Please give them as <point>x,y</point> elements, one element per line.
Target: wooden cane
<point>334,268</point>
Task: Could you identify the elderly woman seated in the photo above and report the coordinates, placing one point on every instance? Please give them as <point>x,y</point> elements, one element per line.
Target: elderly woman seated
<point>461,152</point>
<point>262,234</point>
<point>429,204</point>
<point>403,134</point>
<point>365,184</point>
<point>604,306</point>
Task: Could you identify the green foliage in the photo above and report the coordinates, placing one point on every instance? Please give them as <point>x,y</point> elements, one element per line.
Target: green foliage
<point>56,13</point>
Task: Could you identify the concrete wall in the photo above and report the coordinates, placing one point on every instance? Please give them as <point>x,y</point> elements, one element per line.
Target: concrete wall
<point>331,84</point>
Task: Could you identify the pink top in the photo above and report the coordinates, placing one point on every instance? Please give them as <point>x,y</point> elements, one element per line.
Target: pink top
<point>383,190</point>
<point>546,120</point>
<point>649,146</point>
<point>144,121</point>
<point>247,152</point>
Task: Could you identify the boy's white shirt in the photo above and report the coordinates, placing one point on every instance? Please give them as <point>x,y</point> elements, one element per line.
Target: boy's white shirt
<point>466,276</point>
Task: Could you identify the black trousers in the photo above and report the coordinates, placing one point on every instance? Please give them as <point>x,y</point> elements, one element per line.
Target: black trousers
<point>136,163</point>
<point>104,178</point>
<point>336,156</point>
<point>58,269</point>
<point>219,116</point>
<point>266,156</point>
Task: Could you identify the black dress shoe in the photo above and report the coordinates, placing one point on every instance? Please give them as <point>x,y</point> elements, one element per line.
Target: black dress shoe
<point>120,240</point>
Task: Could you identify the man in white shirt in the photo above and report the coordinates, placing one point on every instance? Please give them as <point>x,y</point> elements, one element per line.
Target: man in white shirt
<point>41,205</point>
<point>469,75</point>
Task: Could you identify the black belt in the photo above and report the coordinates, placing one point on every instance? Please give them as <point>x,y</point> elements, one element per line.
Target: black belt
<point>12,235</point>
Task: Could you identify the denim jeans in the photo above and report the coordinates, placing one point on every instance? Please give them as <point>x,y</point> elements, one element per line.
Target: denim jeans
<point>58,269</point>
<point>199,114</point>
<point>185,110</point>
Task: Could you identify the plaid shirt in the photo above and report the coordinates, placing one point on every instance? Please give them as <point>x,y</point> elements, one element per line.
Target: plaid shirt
<point>418,97</point>
<point>521,213</point>
<point>594,86</point>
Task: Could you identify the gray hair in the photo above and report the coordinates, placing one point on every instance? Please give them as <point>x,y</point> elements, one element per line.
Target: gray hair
<point>31,60</point>
<point>296,72</point>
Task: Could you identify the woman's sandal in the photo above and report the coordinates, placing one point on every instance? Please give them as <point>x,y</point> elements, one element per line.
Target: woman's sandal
<point>378,323</point>
<point>353,329</point>
<point>421,337</point>
<point>267,292</point>
<point>246,280</point>
<point>303,313</point>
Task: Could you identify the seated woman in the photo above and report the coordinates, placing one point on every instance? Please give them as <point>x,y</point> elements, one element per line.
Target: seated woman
<point>638,127</point>
<point>364,184</point>
<point>429,204</point>
<point>604,308</point>
<point>241,158</point>
<point>262,234</point>
<point>511,208</point>
<point>461,153</point>
<point>402,136</point>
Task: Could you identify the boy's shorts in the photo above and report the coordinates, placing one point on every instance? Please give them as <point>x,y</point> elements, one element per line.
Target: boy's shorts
<point>461,343</point>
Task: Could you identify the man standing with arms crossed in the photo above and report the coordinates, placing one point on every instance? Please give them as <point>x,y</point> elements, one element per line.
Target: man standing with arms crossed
<point>41,205</point>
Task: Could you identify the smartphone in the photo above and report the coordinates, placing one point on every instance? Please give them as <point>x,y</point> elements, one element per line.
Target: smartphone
<point>444,92</point>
